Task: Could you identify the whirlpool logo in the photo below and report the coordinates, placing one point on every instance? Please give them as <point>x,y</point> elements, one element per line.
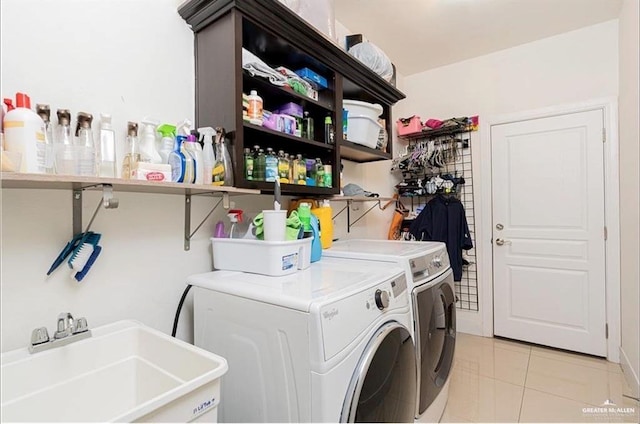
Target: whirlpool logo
<point>330,314</point>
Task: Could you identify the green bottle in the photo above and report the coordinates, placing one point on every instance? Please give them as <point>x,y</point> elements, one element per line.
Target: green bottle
<point>248,164</point>
<point>259,166</point>
<point>319,173</point>
<point>304,213</point>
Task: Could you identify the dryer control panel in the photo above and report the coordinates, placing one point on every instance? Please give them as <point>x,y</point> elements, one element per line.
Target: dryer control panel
<point>343,321</point>
<point>427,265</point>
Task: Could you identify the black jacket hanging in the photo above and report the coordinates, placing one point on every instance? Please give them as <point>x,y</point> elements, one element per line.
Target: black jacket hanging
<point>443,219</point>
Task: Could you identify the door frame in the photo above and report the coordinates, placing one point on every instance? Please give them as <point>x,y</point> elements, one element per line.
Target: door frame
<point>484,231</point>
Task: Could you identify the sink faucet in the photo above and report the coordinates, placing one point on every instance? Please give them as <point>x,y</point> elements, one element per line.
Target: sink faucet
<point>66,324</point>
<point>67,331</point>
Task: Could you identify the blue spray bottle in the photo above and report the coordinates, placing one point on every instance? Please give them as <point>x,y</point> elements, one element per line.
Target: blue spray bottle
<point>316,244</point>
<point>178,161</point>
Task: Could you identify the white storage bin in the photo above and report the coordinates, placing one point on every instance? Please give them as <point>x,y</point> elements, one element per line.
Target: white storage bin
<point>273,258</point>
<point>362,122</point>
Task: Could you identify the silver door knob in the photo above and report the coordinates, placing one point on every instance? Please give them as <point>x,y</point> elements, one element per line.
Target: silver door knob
<point>501,242</point>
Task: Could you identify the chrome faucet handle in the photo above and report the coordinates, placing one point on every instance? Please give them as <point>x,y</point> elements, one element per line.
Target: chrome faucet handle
<point>65,325</point>
<point>81,325</point>
<point>39,336</point>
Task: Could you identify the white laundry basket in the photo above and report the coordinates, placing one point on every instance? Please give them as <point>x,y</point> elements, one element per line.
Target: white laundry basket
<point>363,127</point>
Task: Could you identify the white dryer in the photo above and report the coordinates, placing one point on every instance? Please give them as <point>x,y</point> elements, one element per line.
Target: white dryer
<point>328,344</point>
<point>433,299</point>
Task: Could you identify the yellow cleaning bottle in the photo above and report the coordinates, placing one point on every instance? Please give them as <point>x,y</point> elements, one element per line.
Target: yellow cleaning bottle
<point>325,218</point>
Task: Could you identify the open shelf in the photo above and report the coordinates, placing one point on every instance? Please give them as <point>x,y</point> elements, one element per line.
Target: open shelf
<point>358,153</point>
<point>283,95</point>
<point>273,133</point>
<point>293,189</point>
<point>74,182</point>
<point>438,132</point>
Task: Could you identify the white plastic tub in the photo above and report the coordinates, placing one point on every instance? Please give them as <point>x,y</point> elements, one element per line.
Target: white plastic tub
<point>273,258</point>
<point>362,122</point>
<point>124,372</point>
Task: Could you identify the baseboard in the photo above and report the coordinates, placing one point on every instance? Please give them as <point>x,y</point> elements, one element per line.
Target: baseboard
<point>469,322</point>
<point>629,374</point>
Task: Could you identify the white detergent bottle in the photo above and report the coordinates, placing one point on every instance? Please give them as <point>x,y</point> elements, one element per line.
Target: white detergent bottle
<point>209,158</point>
<point>148,141</point>
<point>24,133</point>
<point>168,132</point>
<point>195,150</point>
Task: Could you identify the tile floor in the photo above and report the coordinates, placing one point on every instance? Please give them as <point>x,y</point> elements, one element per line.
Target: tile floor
<point>496,380</point>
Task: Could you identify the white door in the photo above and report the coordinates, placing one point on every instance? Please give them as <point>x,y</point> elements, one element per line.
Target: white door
<point>548,231</point>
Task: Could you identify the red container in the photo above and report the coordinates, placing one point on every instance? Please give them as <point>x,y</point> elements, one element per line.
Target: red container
<point>410,125</point>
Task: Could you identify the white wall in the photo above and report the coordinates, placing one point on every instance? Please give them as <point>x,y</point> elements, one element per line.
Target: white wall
<point>629,192</point>
<point>105,56</point>
<point>566,68</point>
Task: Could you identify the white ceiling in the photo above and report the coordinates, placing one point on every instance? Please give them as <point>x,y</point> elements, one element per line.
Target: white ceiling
<point>422,34</point>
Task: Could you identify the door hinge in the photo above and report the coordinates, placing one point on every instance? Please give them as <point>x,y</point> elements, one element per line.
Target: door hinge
<point>606,233</point>
<point>604,135</point>
<point>606,331</point>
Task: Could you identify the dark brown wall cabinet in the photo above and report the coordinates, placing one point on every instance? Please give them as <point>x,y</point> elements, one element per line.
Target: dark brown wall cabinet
<point>279,37</point>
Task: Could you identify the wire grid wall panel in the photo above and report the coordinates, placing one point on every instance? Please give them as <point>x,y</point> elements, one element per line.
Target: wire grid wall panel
<point>467,288</point>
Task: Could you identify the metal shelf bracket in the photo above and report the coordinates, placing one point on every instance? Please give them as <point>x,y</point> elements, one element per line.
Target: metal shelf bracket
<point>108,201</point>
<point>348,209</point>
<point>188,234</point>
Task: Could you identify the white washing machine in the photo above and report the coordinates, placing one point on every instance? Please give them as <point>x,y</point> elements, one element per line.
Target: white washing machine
<point>328,344</point>
<point>433,300</point>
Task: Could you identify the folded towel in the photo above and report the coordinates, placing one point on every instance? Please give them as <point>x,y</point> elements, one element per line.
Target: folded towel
<point>294,226</point>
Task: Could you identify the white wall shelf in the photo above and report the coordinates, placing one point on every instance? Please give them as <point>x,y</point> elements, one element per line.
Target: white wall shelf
<point>359,199</point>
<point>12,180</point>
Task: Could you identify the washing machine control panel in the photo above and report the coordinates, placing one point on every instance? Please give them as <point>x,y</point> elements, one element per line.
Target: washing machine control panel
<point>347,319</point>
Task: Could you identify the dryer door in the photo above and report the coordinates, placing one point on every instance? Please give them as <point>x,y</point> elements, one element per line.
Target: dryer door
<point>434,306</point>
<point>383,388</point>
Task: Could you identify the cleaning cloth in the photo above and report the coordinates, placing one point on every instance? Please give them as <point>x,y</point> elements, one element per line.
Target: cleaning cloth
<point>294,226</point>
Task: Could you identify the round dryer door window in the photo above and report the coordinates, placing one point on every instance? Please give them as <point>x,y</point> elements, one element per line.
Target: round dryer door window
<point>383,388</point>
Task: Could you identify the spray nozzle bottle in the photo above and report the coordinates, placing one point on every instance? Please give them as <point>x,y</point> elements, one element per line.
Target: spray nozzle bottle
<point>148,148</point>
<point>222,171</point>
<point>168,133</point>
<point>206,136</point>
<point>184,127</point>
<point>235,216</point>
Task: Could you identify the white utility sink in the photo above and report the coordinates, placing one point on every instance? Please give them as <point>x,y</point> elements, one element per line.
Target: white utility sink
<point>124,372</point>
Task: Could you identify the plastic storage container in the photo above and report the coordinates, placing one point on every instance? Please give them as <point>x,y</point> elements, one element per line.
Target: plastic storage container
<point>409,125</point>
<point>363,123</point>
<point>273,258</point>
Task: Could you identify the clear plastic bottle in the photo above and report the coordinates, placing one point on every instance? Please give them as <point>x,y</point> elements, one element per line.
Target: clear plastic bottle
<point>66,158</point>
<point>46,155</point>
<point>300,170</point>
<point>87,146</point>
<point>307,127</point>
<point>292,166</point>
<point>223,169</point>
<point>259,165</point>
<point>132,154</point>
<point>283,167</point>
<point>271,166</point>
<point>107,148</point>
<point>206,136</point>
<point>248,164</point>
